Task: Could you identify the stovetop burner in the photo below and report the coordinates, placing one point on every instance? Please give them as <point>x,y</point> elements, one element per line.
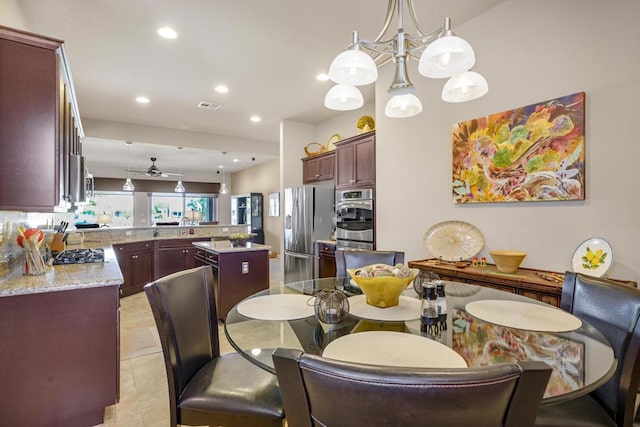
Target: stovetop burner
<point>78,256</point>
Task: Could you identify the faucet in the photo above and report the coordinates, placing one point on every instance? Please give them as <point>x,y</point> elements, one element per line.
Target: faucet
<point>156,232</point>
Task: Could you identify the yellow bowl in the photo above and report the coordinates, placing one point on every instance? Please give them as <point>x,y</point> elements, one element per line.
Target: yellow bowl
<point>382,291</point>
<point>507,261</point>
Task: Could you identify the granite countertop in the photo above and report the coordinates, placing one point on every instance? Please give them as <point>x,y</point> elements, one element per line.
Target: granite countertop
<point>66,277</point>
<point>221,247</point>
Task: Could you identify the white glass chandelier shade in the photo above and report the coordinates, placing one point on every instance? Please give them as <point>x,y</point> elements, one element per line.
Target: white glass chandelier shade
<point>353,67</point>
<point>446,57</point>
<point>223,188</point>
<point>128,185</point>
<point>466,86</point>
<point>402,106</point>
<point>343,97</point>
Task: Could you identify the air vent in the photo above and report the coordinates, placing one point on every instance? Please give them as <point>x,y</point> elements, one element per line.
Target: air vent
<point>208,105</point>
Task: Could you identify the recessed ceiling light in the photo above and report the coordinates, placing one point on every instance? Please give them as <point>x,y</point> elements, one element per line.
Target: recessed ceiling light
<point>142,99</point>
<point>322,77</point>
<point>255,119</point>
<point>235,160</point>
<point>167,33</point>
<point>220,167</point>
<point>221,89</point>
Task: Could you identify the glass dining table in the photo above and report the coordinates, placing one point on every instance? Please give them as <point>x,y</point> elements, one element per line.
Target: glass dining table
<point>582,358</point>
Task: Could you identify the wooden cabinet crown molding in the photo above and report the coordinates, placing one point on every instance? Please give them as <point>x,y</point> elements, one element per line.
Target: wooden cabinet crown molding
<point>32,39</point>
<point>355,138</point>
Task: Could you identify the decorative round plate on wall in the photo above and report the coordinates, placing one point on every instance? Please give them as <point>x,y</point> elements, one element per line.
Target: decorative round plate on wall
<point>593,257</point>
<point>453,241</point>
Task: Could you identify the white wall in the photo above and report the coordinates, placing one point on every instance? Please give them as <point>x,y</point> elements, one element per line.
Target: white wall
<point>265,179</point>
<point>11,15</point>
<point>293,138</point>
<point>529,52</point>
<point>344,124</point>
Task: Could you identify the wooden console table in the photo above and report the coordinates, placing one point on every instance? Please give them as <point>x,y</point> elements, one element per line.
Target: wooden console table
<point>526,281</point>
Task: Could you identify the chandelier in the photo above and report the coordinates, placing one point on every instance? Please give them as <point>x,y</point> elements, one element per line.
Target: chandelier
<point>441,54</point>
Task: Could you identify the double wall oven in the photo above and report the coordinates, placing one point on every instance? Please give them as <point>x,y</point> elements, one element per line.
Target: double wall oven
<point>355,219</point>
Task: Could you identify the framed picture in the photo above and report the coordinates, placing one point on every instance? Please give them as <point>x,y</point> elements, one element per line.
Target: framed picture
<point>274,204</point>
<point>532,153</point>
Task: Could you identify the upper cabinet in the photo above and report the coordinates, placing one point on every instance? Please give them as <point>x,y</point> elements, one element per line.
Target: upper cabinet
<point>318,168</point>
<point>41,167</point>
<point>356,161</point>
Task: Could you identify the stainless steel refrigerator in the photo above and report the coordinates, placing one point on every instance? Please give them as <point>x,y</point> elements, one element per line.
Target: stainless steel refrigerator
<point>308,216</point>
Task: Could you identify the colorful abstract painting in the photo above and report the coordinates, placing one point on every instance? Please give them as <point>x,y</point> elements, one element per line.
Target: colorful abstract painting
<point>532,153</point>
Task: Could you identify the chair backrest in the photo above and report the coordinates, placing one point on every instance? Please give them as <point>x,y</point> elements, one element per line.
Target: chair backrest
<point>318,392</point>
<point>347,259</point>
<point>614,309</point>
<point>183,305</point>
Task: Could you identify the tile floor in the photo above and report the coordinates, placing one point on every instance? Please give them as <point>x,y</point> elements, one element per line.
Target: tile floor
<point>144,399</point>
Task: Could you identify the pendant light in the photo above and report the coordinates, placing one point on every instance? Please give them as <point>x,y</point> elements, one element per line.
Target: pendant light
<point>223,186</point>
<point>179,187</point>
<point>444,55</point>
<point>128,185</point>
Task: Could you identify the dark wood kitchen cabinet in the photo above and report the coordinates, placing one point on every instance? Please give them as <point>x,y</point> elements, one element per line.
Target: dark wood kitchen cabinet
<point>326,259</point>
<point>356,161</point>
<point>318,168</point>
<point>173,255</point>
<point>136,264</point>
<point>60,357</point>
<point>39,125</point>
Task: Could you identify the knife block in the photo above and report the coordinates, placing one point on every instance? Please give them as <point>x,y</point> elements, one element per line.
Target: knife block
<point>57,245</point>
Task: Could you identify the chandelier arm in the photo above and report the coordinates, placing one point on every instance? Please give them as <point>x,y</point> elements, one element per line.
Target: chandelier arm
<point>385,61</point>
<point>414,18</point>
<point>387,20</point>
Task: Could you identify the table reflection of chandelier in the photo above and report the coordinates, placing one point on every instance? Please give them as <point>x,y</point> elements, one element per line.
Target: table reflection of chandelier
<point>441,54</point>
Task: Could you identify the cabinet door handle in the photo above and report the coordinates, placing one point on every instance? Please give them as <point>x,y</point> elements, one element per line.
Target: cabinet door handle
<point>134,257</point>
<point>317,175</point>
<point>352,181</point>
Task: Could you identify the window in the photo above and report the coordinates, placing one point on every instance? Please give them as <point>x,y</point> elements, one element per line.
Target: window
<point>173,206</point>
<point>118,204</point>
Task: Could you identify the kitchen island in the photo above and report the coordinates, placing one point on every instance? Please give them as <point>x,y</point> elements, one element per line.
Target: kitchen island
<point>59,362</point>
<point>237,271</point>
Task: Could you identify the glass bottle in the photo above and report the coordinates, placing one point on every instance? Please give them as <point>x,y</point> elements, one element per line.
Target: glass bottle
<point>423,279</point>
<point>442,305</point>
<point>429,311</point>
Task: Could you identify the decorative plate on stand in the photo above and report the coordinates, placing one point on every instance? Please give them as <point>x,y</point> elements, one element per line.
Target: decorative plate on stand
<point>453,241</point>
<point>593,257</point>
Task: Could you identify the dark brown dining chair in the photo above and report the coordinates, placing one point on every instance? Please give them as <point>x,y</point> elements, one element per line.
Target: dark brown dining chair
<point>324,392</point>
<point>205,387</point>
<point>351,258</point>
<point>613,309</point>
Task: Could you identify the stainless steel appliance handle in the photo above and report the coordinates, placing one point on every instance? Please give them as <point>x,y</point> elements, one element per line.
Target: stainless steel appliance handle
<point>355,204</point>
<point>299,256</point>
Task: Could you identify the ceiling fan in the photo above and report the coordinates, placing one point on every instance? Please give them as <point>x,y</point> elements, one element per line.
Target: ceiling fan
<point>154,171</point>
